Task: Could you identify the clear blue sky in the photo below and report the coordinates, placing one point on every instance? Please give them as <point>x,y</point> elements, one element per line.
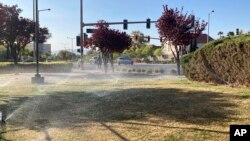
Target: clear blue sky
<point>64,19</point>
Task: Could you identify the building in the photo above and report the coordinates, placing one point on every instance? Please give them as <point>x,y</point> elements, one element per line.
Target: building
<point>43,48</point>
<point>166,51</point>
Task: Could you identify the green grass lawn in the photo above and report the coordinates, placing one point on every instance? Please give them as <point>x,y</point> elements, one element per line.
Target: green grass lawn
<point>122,109</point>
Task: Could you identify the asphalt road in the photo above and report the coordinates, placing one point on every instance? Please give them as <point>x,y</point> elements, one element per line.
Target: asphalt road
<point>168,68</point>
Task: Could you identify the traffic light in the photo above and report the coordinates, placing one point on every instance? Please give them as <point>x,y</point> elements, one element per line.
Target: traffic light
<point>79,50</point>
<point>193,20</point>
<point>125,24</point>
<point>237,31</point>
<point>161,39</point>
<point>78,41</point>
<point>85,36</point>
<point>90,30</point>
<point>148,38</point>
<point>148,23</point>
<point>136,37</point>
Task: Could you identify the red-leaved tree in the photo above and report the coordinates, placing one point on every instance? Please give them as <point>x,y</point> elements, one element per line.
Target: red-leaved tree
<point>108,41</point>
<point>179,29</point>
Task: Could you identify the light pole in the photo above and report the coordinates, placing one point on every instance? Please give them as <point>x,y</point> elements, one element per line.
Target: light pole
<point>37,79</point>
<point>72,40</point>
<point>208,25</point>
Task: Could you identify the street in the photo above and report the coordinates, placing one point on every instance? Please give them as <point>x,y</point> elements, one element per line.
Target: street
<point>167,68</point>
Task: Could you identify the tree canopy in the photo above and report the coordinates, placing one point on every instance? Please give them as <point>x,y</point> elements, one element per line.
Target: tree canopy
<point>17,32</point>
<point>178,28</point>
<point>108,41</point>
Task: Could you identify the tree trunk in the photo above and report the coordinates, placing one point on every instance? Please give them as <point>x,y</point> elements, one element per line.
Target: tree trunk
<point>105,61</point>
<point>8,52</point>
<point>21,53</point>
<point>99,61</point>
<point>14,55</point>
<point>178,65</point>
<point>177,60</point>
<point>112,62</point>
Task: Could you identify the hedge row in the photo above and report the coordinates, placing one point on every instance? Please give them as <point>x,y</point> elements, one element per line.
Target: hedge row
<point>139,70</point>
<point>224,61</point>
<point>7,67</point>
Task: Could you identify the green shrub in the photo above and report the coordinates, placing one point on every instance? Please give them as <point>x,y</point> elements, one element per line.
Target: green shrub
<point>157,71</point>
<point>138,70</point>
<point>8,67</point>
<point>162,70</point>
<point>149,71</point>
<point>173,71</point>
<point>124,70</point>
<point>185,63</point>
<point>143,70</point>
<point>224,61</point>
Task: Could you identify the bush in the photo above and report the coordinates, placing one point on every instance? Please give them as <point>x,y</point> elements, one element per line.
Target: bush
<point>143,70</point>
<point>224,61</point>
<point>149,71</point>
<point>162,70</point>
<point>139,70</point>
<point>8,67</point>
<point>157,71</point>
<point>124,70</point>
<point>173,71</point>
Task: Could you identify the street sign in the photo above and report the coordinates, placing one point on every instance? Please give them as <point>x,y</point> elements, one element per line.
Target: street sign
<point>90,30</point>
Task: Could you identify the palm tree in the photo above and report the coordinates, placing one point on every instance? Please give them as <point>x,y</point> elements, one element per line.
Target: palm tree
<point>220,33</point>
<point>137,39</point>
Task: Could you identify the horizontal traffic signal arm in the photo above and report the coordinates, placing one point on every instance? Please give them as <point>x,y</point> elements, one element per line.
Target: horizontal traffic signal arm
<point>114,23</point>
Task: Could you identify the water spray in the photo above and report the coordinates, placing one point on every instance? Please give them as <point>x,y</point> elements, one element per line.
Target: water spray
<point>2,121</point>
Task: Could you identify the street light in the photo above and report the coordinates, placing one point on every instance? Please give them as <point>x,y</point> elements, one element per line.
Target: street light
<point>37,78</point>
<point>72,40</point>
<point>208,24</point>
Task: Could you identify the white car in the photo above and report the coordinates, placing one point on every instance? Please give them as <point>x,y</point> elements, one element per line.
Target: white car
<point>125,61</point>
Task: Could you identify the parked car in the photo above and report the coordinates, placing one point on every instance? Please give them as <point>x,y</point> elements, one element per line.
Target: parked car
<point>125,61</point>
<point>27,60</point>
<point>93,60</point>
<point>49,60</point>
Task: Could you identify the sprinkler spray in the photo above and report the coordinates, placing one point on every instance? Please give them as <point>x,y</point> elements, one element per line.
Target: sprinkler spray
<point>2,121</point>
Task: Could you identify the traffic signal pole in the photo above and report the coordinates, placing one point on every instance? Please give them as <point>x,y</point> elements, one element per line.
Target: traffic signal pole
<point>81,34</point>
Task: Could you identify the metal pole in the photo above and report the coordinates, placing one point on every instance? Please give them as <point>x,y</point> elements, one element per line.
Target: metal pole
<point>208,27</point>
<point>37,79</point>
<point>72,47</point>
<point>81,32</point>
<point>37,42</point>
<point>208,24</point>
<point>34,35</point>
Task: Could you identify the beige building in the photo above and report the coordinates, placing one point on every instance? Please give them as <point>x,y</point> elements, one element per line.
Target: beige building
<point>43,48</point>
<point>166,51</point>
